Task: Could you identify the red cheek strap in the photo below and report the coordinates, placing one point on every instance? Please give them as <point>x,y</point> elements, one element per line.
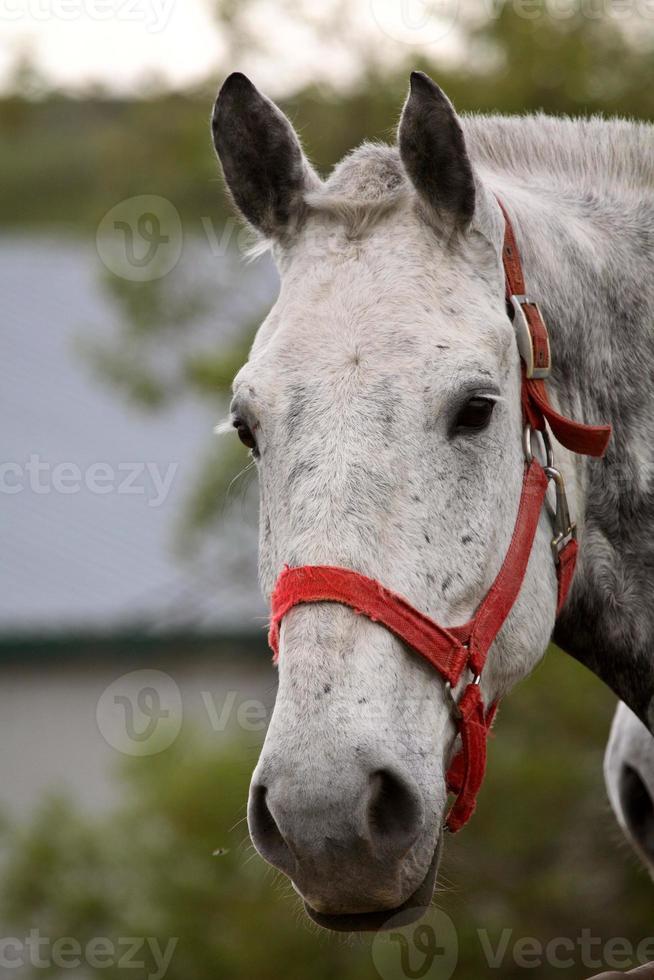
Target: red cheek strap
<point>467,769</point>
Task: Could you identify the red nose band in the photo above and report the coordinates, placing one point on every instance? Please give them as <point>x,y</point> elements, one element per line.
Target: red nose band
<point>452,651</point>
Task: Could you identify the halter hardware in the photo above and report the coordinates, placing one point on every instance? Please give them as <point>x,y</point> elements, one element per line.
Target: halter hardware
<point>565,530</point>
<point>454,650</point>
<point>528,443</point>
<point>456,711</point>
<point>533,343</point>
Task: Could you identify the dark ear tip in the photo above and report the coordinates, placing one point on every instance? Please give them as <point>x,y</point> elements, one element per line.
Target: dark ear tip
<point>236,86</point>
<point>236,82</point>
<point>423,86</point>
<point>420,82</point>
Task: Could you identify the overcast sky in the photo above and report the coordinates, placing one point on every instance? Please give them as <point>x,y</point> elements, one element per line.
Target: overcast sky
<point>123,43</point>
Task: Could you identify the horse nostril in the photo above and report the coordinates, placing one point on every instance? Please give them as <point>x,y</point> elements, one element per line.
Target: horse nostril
<point>266,835</point>
<point>638,809</point>
<point>395,812</point>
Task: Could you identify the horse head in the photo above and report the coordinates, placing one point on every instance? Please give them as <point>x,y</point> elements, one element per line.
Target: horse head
<point>382,403</point>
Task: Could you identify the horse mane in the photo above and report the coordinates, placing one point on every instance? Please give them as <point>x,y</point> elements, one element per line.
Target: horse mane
<point>586,156</point>
<point>590,155</point>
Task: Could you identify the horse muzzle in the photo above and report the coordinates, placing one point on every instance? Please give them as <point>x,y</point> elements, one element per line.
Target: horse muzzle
<point>354,865</point>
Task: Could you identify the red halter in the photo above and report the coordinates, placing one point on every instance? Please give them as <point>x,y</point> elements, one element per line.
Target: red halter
<point>453,650</point>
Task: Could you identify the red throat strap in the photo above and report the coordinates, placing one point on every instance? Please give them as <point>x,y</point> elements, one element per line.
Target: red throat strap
<point>453,650</point>
<point>587,440</point>
<point>534,345</point>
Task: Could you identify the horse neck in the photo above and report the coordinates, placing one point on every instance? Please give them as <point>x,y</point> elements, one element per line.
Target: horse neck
<point>589,263</point>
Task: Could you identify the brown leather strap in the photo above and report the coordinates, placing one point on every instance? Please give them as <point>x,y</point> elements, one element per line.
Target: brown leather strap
<point>513,274</point>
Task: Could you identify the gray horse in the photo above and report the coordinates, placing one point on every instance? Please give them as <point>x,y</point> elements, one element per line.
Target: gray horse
<point>381,401</point>
<point>629,777</point>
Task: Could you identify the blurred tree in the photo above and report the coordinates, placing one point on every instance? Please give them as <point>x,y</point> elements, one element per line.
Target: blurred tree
<point>576,65</point>
<point>588,61</point>
<point>579,64</point>
<point>538,860</point>
<point>74,158</point>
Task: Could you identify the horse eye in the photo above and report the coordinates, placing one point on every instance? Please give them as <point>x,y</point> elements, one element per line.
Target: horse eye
<point>475,414</point>
<point>244,432</point>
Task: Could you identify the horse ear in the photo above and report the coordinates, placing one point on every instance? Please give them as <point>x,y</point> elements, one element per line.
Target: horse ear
<point>434,154</point>
<point>265,169</point>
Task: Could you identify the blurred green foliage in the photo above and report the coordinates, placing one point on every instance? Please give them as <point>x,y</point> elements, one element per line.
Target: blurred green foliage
<point>67,161</point>
<point>541,857</point>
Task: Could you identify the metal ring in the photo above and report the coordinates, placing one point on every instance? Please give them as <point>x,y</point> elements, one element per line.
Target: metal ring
<point>527,446</point>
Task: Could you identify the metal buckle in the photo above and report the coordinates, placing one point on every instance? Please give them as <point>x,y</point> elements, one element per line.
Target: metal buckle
<point>565,530</point>
<point>456,710</point>
<point>524,338</point>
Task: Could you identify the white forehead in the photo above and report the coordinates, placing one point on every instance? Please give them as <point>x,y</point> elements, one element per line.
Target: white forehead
<point>393,298</point>
<point>368,280</point>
